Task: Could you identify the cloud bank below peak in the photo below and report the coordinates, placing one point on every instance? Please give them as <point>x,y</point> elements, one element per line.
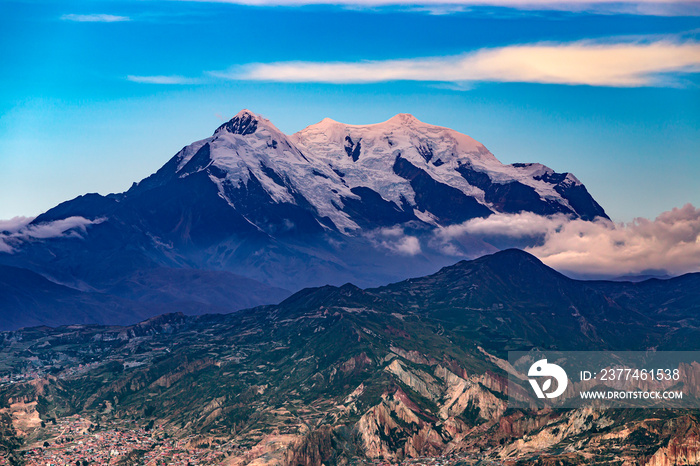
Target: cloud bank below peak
<point>671,242</point>
<point>637,64</point>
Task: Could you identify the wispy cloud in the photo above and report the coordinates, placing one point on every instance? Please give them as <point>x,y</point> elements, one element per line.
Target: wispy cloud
<point>580,63</point>
<point>671,242</point>
<point>515,3</point>
<point>95,18</point>
<point>18,229</point>
<point>177,80</point>
<point>642,7</point>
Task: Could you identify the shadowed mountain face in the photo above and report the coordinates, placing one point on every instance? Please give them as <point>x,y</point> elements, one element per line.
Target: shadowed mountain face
<point>337,374</point>
<point>330,204</point>
<point>26,296</point>
<point>28,299</point>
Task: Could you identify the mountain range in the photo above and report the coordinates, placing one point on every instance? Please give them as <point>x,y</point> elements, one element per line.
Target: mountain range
<point>344,375</point>
<point>248,215</point>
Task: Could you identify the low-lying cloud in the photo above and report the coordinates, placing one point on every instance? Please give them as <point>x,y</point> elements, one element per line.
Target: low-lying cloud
<point>395,240</point>
<point>521,225</point>
<point>18,229</point>
<point>580,63</point>
<point>671,242</point>
<point>14,224</point>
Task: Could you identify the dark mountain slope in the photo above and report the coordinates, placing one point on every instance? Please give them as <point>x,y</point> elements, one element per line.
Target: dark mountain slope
<point>29,299</point>
<point>514,300</point>
<point>26,296</point>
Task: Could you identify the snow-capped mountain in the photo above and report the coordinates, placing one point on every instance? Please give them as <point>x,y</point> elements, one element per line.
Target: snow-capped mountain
<point>330,204</point>
<point>400,158</point>
<point>350,177</point>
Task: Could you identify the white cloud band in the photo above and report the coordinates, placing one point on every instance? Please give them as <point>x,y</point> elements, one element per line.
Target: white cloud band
<point>579,63</point>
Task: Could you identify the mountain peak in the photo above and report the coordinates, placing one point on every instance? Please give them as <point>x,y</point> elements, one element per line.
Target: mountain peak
<point>245,122</point>
<point>328,125</point>
<point>403,118</point>
<point>327,121</point>
<point>245,111</point>
<point>507,264</point>
<point>512,256</point>
<point>513,262</point>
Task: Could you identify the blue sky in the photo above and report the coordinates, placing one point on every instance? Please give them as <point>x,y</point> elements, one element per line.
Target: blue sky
<point>97,94</point>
